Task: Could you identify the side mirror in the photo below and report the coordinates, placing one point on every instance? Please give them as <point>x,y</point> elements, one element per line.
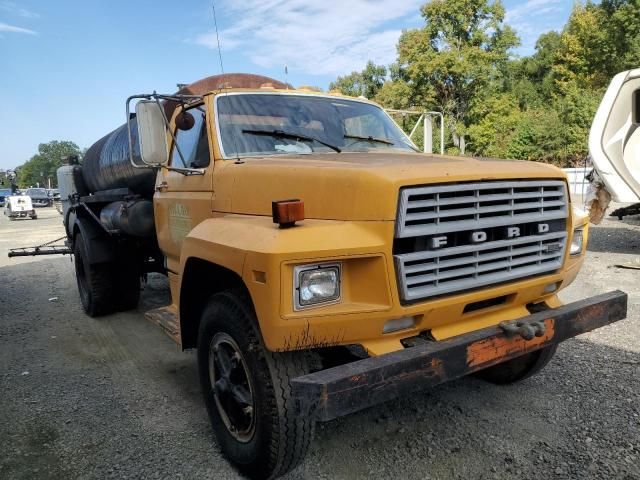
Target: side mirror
<point>152,133</point>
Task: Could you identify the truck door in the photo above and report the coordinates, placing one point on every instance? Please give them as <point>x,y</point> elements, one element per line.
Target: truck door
<point>614,140</point>
<point>183,201</point>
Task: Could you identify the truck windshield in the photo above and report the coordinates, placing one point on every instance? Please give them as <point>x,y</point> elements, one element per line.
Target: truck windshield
<point>259,124</point>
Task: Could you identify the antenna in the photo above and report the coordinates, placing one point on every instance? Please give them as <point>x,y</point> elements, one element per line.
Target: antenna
<point>215,23</point>
<point>224,84</point>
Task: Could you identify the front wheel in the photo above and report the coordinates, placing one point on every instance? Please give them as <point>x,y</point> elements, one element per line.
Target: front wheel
<point>247,391</point>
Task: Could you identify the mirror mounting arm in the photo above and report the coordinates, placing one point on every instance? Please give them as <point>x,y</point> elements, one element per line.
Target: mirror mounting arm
<point>182,99</point>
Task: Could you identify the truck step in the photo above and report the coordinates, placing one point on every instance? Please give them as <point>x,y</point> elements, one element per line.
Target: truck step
<point>167,319</point>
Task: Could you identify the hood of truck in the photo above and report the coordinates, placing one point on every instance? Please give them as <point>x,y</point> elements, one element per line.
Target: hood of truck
<point>352,186</point>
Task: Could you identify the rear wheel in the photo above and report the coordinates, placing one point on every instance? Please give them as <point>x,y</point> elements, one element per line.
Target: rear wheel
<point>518,368</point>
<point>104,287</point>
<point>95,282</point>
<point>247,391</point>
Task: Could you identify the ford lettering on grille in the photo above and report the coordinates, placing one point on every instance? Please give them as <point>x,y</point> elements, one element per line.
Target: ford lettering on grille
<point>458,237</point>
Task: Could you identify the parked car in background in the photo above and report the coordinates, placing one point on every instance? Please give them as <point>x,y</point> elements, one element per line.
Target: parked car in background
<point>39,197</point>
<point>4,193</point>
<point>17,206</point>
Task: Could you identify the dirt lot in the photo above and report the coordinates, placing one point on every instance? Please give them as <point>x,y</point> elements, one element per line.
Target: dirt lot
<point>115,398</point>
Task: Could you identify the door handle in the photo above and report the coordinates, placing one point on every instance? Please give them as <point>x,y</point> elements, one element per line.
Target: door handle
<point>161,186</point>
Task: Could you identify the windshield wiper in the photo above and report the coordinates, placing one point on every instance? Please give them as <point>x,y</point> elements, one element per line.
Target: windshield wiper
<point>381,140</point>
<point>292,136</point>
<point>370,139</point>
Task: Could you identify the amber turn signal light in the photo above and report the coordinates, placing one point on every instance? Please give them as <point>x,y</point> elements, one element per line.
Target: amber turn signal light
<point>287,212</point>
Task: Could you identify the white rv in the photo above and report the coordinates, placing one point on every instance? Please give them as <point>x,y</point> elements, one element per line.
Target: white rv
<point>614,143</point>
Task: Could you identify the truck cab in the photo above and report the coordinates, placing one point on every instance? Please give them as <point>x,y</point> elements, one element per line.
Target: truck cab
<point>419,242</point>
<point>319,263</point>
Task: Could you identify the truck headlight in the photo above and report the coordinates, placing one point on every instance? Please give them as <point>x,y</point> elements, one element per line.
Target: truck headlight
<point>316,284</point>
<point>576,242</point>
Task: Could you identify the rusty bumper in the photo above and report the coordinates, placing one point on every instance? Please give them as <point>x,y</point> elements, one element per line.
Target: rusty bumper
<point>345,389</point>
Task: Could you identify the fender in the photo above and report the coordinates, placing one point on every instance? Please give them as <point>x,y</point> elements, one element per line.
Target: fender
<point>262,255</point>
<point>236,241</point>
<point>99,248</point>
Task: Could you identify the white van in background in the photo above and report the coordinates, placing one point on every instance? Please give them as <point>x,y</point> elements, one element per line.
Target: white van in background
<point>19,206</point>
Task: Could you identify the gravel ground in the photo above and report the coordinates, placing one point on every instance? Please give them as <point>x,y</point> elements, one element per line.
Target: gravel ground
<point>115,398</point>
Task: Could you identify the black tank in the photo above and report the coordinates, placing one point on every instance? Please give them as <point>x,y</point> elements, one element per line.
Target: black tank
<point>106,164</point>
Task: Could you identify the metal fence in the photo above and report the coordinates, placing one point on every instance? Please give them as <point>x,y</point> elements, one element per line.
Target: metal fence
<point>578,184</point>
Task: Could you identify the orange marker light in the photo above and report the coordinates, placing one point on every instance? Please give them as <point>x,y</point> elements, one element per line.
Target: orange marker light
<point>287,212</point>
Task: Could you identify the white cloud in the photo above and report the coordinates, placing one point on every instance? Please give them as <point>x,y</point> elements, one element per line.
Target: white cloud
<point>531,7</point>
<point>14,9</point>
<point>5,27</point>
<point>534,17</point>
<point>322,38</point>
<point>210,40</point>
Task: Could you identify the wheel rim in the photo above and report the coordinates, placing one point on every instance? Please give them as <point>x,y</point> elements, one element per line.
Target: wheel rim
<point>231,387</point>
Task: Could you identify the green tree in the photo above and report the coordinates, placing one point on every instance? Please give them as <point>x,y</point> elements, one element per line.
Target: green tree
<point>624,31</point>
<point>598,41</point>
<point>394,94</point>
<point>583,53</point>
<point>539,107</point>
<point>460,51</point>
<point>43,165</point>
<point>497,119</point>
<point>366,83</point>
<point>576,109</point>
<point>531,78</point>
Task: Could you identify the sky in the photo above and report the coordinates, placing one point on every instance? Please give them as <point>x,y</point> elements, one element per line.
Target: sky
<point>67,67</point>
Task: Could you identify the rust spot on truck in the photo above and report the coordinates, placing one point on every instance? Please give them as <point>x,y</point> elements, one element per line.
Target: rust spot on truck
<point>489,350</point>
<point>306,339</point>
<point>437,368</point>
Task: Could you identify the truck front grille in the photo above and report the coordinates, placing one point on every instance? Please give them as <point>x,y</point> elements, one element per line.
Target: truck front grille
<point>458,237</point>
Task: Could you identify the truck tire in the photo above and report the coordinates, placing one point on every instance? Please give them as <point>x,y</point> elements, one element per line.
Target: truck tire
<point>247,391</point>
<point>518,368</point>
<point>96,282</point>
<point>105,287</point>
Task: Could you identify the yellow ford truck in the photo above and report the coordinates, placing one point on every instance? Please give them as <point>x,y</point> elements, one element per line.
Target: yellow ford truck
<point>317,261</point>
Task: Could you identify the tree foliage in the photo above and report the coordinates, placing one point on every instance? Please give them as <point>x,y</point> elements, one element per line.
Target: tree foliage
<point>366,83</point>
<point>455,56</point>
<point>538,107</point>
<point>43,165</point>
